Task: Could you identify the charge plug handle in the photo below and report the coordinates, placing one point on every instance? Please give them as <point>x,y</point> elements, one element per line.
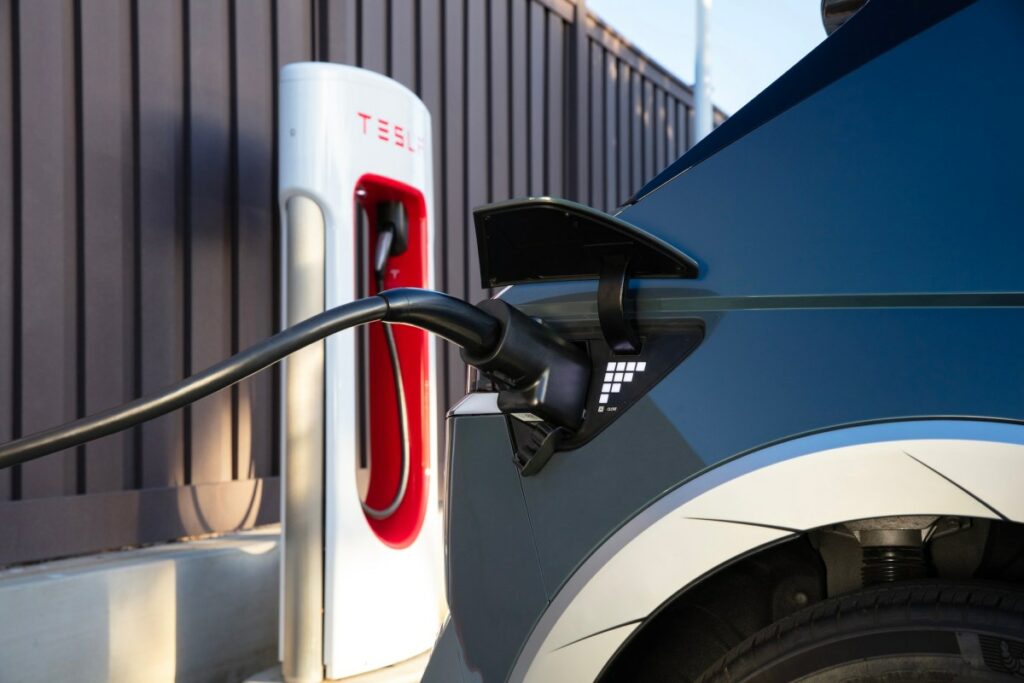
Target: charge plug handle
<point>393,240</point>
<point>541,374</point>
<point>392,233</point>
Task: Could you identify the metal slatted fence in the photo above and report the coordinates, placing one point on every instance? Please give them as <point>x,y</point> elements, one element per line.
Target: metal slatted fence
<point>139,232</point>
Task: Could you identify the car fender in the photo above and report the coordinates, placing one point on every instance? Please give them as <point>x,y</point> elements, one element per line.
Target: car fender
<point>958,467</point>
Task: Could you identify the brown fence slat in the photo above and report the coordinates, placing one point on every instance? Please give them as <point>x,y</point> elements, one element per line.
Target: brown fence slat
<point>210,255</point>
<point>560,8</point>
<point>255,308</point>
<point>342,31</point>
<point>499,86</point>
<point>373,36</point>
<point>7,246</point>
<point>453,176</point>
<point>649,122</point>
<point>538,115</point>
<point>160,228</point>
<point>556,137</point>
<point>294,31</point>
<point>519,38</point>
<point>107,232</point>
<point>49,272</point>
<point>678,141</point>
<point>597,166</point>
<point>611,130</point>
<point>684,124</point>
<point>478,156</point>
<point>660,129</point>
<point>636,145</point>
<point>577,105</point>
<point>403,43</point>
<point>625,149</point>
<point>667,124</point>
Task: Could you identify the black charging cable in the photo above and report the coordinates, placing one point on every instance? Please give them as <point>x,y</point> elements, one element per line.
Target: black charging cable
<point>451,318</point>
<point>385,249</point>
<point>542,375</point>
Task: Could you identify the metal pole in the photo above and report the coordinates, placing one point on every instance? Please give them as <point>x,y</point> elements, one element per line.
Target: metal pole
<point>302,559</point>
<point>703,121</point>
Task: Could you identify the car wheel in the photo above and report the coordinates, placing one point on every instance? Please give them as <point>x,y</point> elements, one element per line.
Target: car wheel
<point>898,632</point>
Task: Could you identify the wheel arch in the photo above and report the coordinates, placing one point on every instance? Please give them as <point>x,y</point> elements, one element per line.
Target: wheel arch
<point>960,467</point>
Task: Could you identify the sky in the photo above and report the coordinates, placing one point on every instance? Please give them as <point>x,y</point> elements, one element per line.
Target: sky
<point>753,42</point>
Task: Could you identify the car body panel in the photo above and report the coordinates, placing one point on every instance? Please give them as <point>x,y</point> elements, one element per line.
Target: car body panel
<point>860,262</point>
<point>494,579</point>
<point>879,183</point>
<point>761,376</point>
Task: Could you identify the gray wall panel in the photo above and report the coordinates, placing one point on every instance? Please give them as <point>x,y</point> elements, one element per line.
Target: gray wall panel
<point>49,236</point>
<point>403,46</point>
<point>520,111</point>
<point>107,228</point>
<point>210,260</point>
<point>624,160</point>
<point>8,276</point>
<point>576,100</point>
<point>373,36</point>
<point>556,131</point>
<point>453,177</point>
<point>499,85</point>
<point>294,31</point>
<point>648,123</point>
<point>611,130</point>
<point>139,233</point>
<point>478,164</point>
<point>537,55</point>
<point>161,230</point>
<point>636,135</point>
<point>255,311</point>
<point>597,164</point>
<point>342,31</point>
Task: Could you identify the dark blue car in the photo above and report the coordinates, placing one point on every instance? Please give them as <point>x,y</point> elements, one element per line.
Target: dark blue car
<point>803,451</point>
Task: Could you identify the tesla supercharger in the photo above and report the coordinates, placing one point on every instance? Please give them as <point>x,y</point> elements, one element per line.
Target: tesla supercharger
<point>350,141</point>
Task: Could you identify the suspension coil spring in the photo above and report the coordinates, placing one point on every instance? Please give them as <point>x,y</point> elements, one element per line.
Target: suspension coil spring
<point>885,564</point>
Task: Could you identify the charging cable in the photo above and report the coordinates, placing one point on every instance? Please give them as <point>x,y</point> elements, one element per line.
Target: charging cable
<point>385,243</point>
<point>541,373</point>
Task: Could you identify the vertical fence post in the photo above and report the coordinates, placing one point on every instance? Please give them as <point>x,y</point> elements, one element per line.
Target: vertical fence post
<point>578,110</point>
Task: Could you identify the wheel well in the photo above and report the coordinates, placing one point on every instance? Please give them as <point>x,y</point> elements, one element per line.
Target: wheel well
<point>698,625</point>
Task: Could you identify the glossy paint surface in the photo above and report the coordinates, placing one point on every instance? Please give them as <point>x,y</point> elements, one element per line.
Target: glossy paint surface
<point>494,582</point>
<point>872,184</point>
<point>860,261</point>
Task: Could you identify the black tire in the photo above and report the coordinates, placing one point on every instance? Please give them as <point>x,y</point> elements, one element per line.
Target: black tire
<point>899,632</point>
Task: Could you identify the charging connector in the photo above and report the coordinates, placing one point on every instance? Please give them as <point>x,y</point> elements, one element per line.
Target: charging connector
<point>393,240</point>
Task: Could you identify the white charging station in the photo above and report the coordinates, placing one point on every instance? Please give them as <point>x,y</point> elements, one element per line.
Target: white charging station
<point>350,138</point>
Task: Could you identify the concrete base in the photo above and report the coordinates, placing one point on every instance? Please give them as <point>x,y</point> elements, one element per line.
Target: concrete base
<point>409,671</point>
<point>200,611</point>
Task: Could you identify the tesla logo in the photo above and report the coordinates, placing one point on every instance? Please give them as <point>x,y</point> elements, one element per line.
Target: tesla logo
<point>390,133</point>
